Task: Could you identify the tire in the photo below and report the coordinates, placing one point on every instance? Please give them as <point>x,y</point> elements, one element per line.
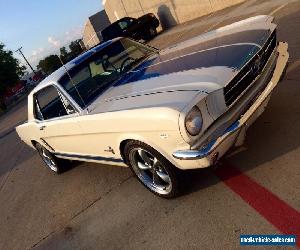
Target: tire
<point>153,170</point>
<point>56,165</point>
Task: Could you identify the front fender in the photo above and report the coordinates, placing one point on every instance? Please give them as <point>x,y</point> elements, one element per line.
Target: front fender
<point>163,142</point>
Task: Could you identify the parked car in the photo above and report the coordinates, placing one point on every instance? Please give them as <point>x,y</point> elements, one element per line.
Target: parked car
<point>13,93</point>
<point>143,27</point>
<point>158,112</point>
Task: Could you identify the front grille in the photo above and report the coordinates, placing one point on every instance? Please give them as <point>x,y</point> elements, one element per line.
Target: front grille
<point>249,72</point>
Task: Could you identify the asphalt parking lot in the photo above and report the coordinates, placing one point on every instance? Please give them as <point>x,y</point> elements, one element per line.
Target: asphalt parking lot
<point>256,189</point>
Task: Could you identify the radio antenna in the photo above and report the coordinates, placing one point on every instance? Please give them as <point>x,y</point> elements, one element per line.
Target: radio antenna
<point>62,63</point>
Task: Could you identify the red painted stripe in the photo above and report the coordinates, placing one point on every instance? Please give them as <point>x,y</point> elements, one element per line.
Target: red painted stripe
<point>285,218</point>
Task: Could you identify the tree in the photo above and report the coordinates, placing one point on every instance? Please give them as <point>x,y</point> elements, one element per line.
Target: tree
<point>64,55</point>
<point>75,48</point>
<point>10,69</point>
<point>49,64</point>
<point>52,62</point>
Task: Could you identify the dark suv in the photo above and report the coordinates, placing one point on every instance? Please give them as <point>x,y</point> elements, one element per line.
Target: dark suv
<point>143,27</point>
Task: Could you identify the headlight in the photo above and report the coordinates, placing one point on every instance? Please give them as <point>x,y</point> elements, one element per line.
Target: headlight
<point>193,121</point>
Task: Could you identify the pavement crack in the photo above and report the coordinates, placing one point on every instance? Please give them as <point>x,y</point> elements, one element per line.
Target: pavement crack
<point>101,197</point>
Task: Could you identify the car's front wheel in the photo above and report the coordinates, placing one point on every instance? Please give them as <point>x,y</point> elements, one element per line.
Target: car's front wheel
<point>53,163</point>
<point>153,170</point>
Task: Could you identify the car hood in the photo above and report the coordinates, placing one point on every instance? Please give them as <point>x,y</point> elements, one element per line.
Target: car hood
<point>172,90</point>
<point>175,75</point>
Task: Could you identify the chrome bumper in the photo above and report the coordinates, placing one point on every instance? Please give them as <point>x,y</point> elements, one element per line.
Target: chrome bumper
<point>218,147</point>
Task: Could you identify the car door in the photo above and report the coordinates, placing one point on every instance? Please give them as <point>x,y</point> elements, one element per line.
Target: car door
<point>128,27</point>
<point>58,129</point>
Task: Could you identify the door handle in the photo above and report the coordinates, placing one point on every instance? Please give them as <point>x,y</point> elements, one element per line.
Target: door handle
<point>42,127</point>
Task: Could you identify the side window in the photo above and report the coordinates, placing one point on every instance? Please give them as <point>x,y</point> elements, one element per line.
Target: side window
<point>123,25</point>
<point>48,104</point>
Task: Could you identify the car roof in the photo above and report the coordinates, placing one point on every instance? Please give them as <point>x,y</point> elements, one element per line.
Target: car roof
<point>59,73</point>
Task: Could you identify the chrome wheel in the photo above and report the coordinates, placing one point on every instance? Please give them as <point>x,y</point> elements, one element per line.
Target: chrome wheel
<point>47,158</point>
<point>150,171</point>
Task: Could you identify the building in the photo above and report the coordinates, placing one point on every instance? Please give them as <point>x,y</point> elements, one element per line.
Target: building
<point>169,12</point>
<point>92,28</point>
<point>33,78</point>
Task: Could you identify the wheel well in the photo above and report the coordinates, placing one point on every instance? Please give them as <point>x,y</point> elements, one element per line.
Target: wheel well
<point>123,144</point>
<point>122,151</point>
<point>34,143</point>
<point>122,147</point>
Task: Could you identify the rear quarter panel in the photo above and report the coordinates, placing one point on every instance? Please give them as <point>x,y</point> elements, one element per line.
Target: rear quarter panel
<point>28,132</point>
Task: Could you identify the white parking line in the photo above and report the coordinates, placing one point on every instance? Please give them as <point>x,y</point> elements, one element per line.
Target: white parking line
<point>271,14</point>
<point>277,9</point>
<point>213,26</point>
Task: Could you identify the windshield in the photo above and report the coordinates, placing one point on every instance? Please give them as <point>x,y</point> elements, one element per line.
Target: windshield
<point>94,75</point>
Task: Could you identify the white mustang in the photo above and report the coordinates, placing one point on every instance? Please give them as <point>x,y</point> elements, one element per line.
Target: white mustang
<point>126,103</point>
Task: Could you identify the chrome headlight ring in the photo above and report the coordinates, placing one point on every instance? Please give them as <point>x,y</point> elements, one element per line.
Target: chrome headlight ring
<point>193,121</point>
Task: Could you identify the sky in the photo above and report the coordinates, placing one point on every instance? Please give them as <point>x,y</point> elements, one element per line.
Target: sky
<point>41,27</point>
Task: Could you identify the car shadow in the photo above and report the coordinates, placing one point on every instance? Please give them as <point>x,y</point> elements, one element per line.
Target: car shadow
<point>166,18</point>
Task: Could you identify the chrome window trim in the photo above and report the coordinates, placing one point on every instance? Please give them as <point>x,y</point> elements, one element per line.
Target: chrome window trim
<point>68,98</point>
<point>77,108</point>
<point>57,118</point>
